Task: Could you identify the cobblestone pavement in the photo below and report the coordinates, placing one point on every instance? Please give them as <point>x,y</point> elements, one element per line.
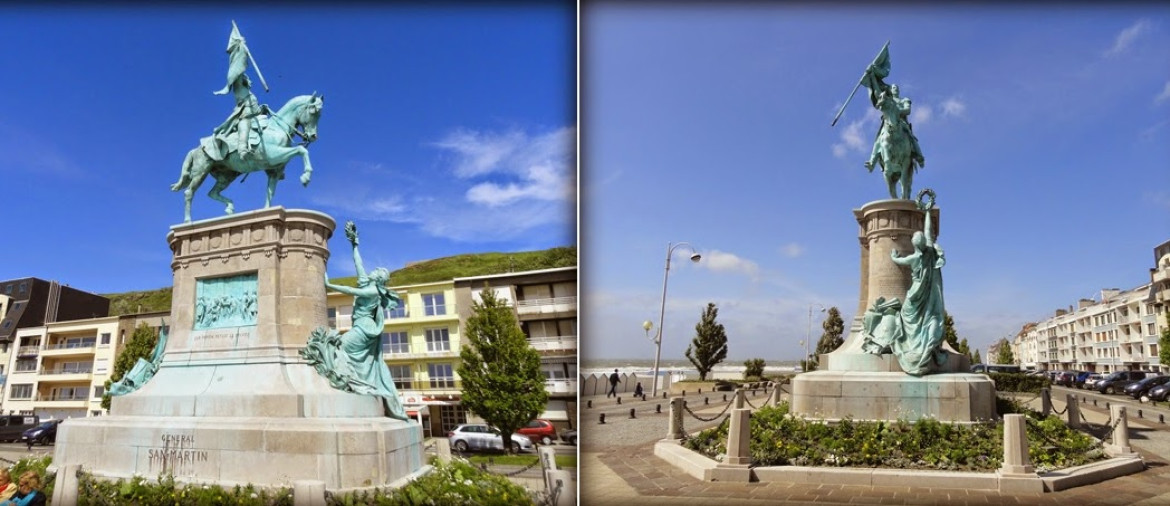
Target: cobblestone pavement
<point>618,466</point>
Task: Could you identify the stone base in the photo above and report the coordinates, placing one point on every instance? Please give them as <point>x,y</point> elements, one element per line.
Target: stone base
<point>860,395</point>
<point>868,362</point>
<point>343,453</point>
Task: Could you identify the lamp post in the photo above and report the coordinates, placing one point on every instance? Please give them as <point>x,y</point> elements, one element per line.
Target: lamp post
<point>647,325</point>
<point>808,335</point>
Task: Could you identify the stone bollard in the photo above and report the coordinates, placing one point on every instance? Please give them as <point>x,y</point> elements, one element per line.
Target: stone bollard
<point>1015,446</point>
<point>601,419</point>
<point>657,408</point>
<point>736,465</point>
<point>1120,444</point>
<point>643,397</point>
<point>548,462</point>
<point>561,487</point>
<point>589,403</point>
<point>1073,408</point>
<point>619,401</point>
<point>632,413</point>
<point>739,397</point>
<point>65,491</point>
<point>724,397</point>
<point>775,395</point>
<point>674,429</point>
<point>309,493</point>
<point>443,449</point>
<point>1045,402</point>
<point>700,390</point>
<point>706,401</point>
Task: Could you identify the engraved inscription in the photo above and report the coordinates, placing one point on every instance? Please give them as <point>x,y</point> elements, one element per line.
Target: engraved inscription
<point>176,454</point>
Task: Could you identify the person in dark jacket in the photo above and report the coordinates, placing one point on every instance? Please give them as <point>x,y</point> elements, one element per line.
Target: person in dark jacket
<point>613,383</point>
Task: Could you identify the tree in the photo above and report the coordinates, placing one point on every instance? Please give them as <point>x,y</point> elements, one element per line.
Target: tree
<point>1164,342</point>
<point>1005,353</point>
<point>753,368</point>
<point>709,346</point>
<point>831,338</point>
<point>502,381</point>
<point>141,345</point>
<point>963,347</point>
<point>976,358</point>
<point>949,334</point>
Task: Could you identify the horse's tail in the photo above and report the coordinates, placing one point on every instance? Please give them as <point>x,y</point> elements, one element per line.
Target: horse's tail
<point>185,172</point>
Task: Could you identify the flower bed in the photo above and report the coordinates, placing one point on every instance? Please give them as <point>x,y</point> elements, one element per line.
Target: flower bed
<point>780,439</point>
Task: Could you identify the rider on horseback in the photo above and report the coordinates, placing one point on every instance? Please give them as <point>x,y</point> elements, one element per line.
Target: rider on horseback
<point>894,106</point>
<point>247,107</point>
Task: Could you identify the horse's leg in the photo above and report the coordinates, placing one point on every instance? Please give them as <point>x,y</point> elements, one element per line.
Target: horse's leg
<point>200,166</point>
<point>305,176</point>
<point>272,179</point>
<point>222,180</point>
<point>185,172</point>
<point>907,179</point>
<point>280,155</point>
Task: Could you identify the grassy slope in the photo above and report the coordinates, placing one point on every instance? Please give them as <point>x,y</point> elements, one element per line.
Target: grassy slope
<point>439,269</point>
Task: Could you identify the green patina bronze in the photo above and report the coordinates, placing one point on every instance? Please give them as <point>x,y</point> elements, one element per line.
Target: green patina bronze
<point>143,369</point>
<point>352,361</point>
<point>225,302</point>
<point>895,149</point>
<point>252,138</point>
<point>913,330</point>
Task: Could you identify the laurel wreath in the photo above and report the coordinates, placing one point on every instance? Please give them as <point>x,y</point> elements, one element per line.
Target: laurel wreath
<point>924,193</point>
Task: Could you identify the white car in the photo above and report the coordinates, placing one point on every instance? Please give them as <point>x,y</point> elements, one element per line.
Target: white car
<point>475,436</point>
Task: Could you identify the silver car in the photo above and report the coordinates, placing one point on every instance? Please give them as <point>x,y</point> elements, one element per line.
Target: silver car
<point>1092,380</point>
<point>476,436</point>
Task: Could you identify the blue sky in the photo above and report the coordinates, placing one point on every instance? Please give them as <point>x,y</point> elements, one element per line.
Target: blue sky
<point>447,129</point>
<point>1045,131</point>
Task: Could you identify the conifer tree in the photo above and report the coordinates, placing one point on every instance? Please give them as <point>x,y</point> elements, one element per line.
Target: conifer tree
<point>709,346</point>
<point>502,381</point>
<point>831,339</point>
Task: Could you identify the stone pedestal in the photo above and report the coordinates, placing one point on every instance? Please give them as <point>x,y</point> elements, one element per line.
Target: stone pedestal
<point>237,405</point>
<point>853,383</point>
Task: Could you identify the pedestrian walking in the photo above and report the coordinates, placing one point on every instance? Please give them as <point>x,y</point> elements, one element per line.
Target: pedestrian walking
<point>613,382</point>
<point>638,390</point>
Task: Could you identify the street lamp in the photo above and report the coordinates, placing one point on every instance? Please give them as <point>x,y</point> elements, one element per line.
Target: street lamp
<point>808,335</point>
<point>647,325</point>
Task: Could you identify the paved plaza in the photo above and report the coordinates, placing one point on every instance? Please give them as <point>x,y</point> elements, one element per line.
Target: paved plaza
<point>618,465</point>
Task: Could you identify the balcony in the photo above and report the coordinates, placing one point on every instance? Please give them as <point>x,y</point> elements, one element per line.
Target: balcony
<point>69,349</point>
<point>66,374</point>
<point>555,343</point>
<point>28,351</point>
<point>546,306</point>
<point>561,386</point>
<point>421,355</point>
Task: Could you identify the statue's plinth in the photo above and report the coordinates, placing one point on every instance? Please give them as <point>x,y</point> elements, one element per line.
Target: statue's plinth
<point>237,405</point>
<point>864,386</point>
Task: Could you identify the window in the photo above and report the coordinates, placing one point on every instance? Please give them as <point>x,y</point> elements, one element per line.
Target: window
<point>69,394</point>
<point>105,338</point>
<point>25,365</point>
<point>101,365</point>
<point>434,304</point>
<point>23,288</point>
<point>331,314</point>
<point>98,392</point>
<point>395,342</point>
<point>396,312</point>
<point>3,347</point>
<point>1150,329</point>
<point>23,391</point>
<point>402,376</point>
<point>441,375</point>
<point>438,340</point>
<point>95,412</point>
<point>8,288</point>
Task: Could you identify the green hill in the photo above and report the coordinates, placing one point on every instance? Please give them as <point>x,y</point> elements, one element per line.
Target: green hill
<point>439,269</point>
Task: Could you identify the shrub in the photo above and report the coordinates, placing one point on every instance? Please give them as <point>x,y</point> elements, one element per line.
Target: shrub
<point>1019,382</point>
<point>164,490</point>
<point>455,483</point>
<point>780,439</point>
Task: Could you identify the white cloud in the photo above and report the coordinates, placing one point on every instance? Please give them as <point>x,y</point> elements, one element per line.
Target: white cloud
<point>954,107</point>
<point>792,250</point>
<point>1126,37</point>
<point>921,114</point>
<point>521,167</point>
<point>1164,96</point>
<point>852,138</point>
<point>720,261</point>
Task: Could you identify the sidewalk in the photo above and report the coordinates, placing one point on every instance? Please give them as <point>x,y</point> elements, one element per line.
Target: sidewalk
<point>618,466</point>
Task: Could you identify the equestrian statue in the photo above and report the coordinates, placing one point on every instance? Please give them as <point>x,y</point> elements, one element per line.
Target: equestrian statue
<point>252,138</point>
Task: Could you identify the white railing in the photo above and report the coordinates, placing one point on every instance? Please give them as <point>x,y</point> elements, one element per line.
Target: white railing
<point>71,346</point>
<point>553,343</point>
<point>560,386</point>
<point>546,305</point>
<point>27,351</point>
<point>421,354</point>
<point>62,370</point>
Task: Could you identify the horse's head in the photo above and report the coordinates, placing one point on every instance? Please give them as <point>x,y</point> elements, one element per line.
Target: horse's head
<point>310,114</point>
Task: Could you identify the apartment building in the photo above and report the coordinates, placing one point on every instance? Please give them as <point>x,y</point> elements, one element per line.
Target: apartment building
<point>33,301</point>
<point>422,338</point>
<point>545,302</point>
<point>1117,331</point>
<point>59,369</point>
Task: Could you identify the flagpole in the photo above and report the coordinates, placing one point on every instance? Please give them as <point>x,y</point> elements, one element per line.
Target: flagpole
<point>858,85</point>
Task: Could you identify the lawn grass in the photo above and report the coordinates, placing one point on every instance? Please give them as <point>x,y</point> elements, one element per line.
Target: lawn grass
<point>563,461</point>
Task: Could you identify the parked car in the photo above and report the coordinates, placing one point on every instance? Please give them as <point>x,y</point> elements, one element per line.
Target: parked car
<point>541,431</point>
<point>13,426</point>
<point>569,436</point>
<point>1159,393</point>
<point>985,368</point>
<point>1117,381</point>
<point>1066,378</point>
<point>1139,389</point>
<point>1091,381</point>
<point>42,434</point>
<point>1079,381</point>
<point>475,436</point>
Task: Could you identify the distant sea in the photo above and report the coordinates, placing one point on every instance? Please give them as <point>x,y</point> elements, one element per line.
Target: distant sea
<point>729,369</point>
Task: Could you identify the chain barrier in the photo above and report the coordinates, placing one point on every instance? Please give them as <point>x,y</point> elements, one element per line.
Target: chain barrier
<point>1035,425</point>
<point>712,419</point>
<point>749,402</point>
<point>484,467</point>
<point>1060,411</point>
